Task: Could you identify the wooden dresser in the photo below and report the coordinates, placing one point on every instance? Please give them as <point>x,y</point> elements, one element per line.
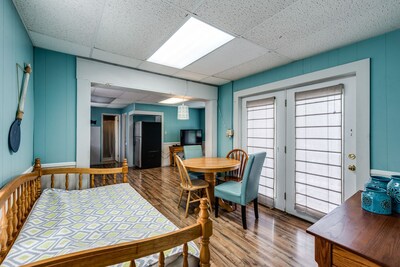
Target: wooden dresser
<point>350,236</point>
<point>172,152</point>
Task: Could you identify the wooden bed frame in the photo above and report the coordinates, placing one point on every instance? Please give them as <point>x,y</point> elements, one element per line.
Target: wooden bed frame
<point>18,197</point>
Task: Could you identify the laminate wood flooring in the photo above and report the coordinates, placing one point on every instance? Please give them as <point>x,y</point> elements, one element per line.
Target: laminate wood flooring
<point>276,239</point>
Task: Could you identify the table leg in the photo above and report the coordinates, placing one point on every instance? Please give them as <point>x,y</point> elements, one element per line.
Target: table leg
<point>211,179</point>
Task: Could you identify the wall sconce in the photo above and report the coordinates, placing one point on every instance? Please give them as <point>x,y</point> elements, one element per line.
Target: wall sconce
<point>229,133</point>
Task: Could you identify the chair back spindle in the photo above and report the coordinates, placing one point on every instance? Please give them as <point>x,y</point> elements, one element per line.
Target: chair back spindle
<point>241,156</point>
<point>183,173</point>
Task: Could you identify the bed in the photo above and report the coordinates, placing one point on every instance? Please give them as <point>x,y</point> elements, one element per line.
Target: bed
<point>96,226</point>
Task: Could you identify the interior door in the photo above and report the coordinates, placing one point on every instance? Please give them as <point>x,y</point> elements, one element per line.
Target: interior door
<point>321,141</point>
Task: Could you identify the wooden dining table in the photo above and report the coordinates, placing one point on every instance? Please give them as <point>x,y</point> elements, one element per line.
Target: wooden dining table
<point>210,167</point>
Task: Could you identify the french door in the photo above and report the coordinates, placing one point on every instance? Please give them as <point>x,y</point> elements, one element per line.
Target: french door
<point>308,133</point>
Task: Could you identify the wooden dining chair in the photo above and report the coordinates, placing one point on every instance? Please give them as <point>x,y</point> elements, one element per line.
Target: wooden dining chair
<point>236,175</point>
<point>243,192</point>
<point>191,186</point>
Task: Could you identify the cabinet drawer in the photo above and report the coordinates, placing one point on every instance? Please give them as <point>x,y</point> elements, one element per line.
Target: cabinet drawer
<point>344,258</point>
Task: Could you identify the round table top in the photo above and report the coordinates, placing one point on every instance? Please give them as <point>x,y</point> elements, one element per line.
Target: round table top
<point>207,165</point>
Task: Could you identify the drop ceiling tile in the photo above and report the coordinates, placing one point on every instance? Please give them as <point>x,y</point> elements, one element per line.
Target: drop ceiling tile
<point>74,21</point>
<point>184,74</point>
<point>157,68</point>
<point>54,44</point>
<point>268,61</point>
<point>122,101</point>
<point>107,92</point>
<point>234,53</point>
<point>153,98</point>
<point>189,5</point>
<point>135,96</point>
<point>214,80</point>
<point>137,28</point>
<point>116,59</point>
<point>304,18</point>
<point>238,17</point>
<point>360,26</point>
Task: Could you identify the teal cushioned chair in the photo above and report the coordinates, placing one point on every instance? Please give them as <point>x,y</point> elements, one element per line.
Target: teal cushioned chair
<point>245,191</point>
<point>191,152</point>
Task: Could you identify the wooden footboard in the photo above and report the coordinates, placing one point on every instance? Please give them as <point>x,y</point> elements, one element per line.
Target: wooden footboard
<point>18,197</point>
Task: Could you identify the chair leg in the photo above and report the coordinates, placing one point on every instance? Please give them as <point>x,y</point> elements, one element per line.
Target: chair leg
<point>216,207</point>
<point>256,208</point>
<point>180,198</point>
<point>187,205</point>
<point>244,217</point>
<point>208,198</point>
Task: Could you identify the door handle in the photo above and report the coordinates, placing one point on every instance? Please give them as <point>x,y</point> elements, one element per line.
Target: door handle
<point>352,168</point>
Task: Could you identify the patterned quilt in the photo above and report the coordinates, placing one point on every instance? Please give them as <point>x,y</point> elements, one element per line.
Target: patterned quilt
<point>62,222</point>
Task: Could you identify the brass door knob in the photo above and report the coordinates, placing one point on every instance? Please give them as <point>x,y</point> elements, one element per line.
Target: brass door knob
<point>352,167</point>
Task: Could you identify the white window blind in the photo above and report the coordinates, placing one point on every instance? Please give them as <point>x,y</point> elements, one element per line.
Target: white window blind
<point>318,151</point>
<point>261,137</point>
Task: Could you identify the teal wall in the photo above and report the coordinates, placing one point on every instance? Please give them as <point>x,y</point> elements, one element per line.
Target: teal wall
<point>95,114</point>
<point>384,51</point>
<point>55,106</point>
<point>172,125</point>
<point>225,113</point>
<point>15,47</point>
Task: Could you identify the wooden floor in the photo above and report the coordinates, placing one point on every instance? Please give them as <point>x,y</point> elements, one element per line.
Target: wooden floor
<point>276,239</point>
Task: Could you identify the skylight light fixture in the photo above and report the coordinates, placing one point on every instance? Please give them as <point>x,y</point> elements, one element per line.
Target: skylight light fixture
<point>172,100</point>
<point>192,41</point>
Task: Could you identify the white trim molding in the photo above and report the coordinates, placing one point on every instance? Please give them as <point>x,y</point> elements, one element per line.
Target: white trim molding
<point>360,70</point>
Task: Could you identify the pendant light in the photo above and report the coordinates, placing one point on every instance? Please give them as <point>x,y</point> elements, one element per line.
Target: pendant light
<point>183,110</point>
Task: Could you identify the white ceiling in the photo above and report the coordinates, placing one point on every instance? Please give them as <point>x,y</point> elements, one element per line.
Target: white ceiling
<point>269,32</point>
<point>125,96</point>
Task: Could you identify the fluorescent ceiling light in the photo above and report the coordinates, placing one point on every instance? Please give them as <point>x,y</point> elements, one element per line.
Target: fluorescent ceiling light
<point>102,99</point>
<point>192,41</point>
<point>172,100</point>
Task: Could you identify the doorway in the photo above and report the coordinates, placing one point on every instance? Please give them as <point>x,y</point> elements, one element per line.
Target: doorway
<point>309,135</point>
<point>110,129</point>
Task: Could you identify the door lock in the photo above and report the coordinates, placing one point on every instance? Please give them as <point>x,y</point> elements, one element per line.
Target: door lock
<point>352,168</point>
<point>352,156</point>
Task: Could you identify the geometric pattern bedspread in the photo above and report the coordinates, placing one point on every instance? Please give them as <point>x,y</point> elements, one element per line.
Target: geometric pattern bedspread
<point>62,222</point>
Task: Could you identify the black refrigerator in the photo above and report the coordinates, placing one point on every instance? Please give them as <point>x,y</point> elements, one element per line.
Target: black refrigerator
<point>147,144</point>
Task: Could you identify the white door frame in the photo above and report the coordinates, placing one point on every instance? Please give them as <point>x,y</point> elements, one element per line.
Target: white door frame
<point>117,148</point>
<point>361,70</point>
<point>123,137</point>
<point>143,112</point>
<point>89,71</point>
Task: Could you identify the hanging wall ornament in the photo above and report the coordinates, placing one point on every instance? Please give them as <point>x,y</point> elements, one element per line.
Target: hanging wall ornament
<point>14,135</point>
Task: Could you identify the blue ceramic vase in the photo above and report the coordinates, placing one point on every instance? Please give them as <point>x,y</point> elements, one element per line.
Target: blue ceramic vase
<point>376,200</point>
<point>378,182</point>
<point>393,190</point>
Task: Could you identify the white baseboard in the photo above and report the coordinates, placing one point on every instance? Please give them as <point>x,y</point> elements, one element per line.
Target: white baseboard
<point>59,164</point>
<point>384,173</point>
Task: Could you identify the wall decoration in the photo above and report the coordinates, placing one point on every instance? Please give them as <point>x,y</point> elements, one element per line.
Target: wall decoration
<point>14,135</point>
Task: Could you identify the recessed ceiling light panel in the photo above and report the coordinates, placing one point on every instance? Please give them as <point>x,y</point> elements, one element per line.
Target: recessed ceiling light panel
<point>172,100</point>
<point>192,41</point>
